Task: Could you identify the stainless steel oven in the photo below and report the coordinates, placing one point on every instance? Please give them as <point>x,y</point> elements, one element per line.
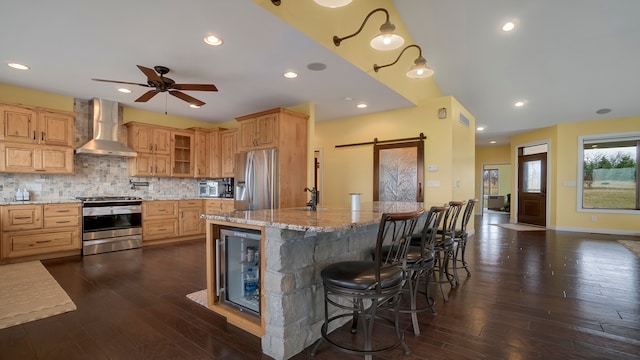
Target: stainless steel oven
<point>111,223</point>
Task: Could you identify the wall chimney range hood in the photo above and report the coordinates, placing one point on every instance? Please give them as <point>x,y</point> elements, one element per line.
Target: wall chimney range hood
<point>104,128</point>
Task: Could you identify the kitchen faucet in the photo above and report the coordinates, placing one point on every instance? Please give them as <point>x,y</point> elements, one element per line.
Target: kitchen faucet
<point>313,203</point>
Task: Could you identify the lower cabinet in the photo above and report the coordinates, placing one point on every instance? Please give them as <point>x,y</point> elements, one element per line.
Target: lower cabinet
<point>166,221</point>
<point>218,206</point>
<point>190,221</point>
<point>40,231</point>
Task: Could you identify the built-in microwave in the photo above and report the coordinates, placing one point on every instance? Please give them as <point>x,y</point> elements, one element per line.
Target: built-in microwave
<point>217,188</point>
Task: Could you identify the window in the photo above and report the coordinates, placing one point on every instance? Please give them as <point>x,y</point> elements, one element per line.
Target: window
<point>608,172</point>
<point>491,180</point>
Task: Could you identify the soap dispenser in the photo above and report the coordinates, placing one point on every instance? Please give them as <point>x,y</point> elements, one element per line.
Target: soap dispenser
<point>19,195</point>
<point>25,194</point>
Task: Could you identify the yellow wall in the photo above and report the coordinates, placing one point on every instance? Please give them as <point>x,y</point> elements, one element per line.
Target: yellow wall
<point>321,24</point>
<point>350,169</point>
<point>24,96</point>
<point>493,155</point>
<point>563,171</point>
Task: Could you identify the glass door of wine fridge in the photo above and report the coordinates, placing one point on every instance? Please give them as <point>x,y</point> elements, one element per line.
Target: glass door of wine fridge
<point>239,269</point>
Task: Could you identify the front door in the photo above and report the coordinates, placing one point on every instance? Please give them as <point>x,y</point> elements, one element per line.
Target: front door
<point>532,188</point>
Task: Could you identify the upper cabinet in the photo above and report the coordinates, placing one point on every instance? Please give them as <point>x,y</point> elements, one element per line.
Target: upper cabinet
<point>162,151</point>
<point>35,140</point>
<point>36,126</point>
<point>182,154</point>
<point>229,147</point>
<point>270,129</point>
<point>149,139</point>
<point>208,155</point>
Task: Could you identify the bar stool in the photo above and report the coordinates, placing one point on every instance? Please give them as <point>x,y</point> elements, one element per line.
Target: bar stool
<point>444,246</point>
<point>364,287</point>
<point>420,264</point>
<point>460,239</point>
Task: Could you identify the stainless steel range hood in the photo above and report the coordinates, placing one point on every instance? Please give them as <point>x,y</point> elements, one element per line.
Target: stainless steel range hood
<point>104,128</point>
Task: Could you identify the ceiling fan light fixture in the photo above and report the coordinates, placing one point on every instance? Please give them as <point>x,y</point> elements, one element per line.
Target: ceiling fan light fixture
<point>333,3</point>
<point>194,106</point>
<point>213,40</point>
<point>124,90</point>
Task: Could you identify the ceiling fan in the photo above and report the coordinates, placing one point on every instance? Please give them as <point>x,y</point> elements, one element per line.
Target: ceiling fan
<point>157,80</point>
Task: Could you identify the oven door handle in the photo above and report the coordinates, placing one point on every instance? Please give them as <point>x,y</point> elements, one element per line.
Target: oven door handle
<point>217,267</point>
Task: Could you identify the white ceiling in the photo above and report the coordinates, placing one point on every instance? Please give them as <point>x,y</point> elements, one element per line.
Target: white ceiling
<point>566,58</point>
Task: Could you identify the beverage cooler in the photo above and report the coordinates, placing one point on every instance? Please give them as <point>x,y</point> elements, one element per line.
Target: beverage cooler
<point>238,269</point>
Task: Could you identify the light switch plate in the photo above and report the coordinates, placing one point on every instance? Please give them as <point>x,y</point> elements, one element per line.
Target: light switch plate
<point>432,168</point>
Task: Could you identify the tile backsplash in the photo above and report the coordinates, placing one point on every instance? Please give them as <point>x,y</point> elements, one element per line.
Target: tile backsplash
<point>93,175</point>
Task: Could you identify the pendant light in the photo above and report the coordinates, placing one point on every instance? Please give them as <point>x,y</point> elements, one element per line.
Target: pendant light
<point>386,40</point>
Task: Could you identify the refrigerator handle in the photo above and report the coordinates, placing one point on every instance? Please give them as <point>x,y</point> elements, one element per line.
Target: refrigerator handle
<point>218,267</point>
<point>249,180</point>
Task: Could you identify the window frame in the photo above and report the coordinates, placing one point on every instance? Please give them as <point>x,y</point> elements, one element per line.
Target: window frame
<point>612,137</point>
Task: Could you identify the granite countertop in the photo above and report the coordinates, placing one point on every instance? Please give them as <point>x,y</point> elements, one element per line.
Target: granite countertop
<point>39,201</point>
<point>322,220</point>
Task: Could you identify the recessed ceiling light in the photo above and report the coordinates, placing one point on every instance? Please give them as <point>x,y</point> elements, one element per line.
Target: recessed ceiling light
<point>290,75</point>
<point>480,128</point>
<point>508,26</point>
<point>361,106</point>
<point>519,103</point>
<point>492,142</point>
<point>18,66</point>
<point>603,111</point>
<point>212,39</point>
<point>124,90</point>
<point>194,106</point>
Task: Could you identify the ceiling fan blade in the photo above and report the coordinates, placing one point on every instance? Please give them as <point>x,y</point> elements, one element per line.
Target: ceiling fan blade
<point>196,87</point>
<point>187,98</point>
<point>146,96</point>
<point>150,73</point>
<point>121,82</point>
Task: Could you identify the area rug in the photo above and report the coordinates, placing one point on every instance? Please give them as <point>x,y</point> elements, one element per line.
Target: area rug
<point>520,227</point>
<point>199,297</point>
<point>632,245</point>
<point>28,292</point>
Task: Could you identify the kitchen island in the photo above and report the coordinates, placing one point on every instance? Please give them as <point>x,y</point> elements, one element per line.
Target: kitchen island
<point>296,244</point>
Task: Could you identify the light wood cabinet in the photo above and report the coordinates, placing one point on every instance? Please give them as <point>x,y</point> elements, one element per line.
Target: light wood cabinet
<point>159,220</point>
<point>36,126</point>
<point>182,153</point>
<point>208,153</point>
<point>286,131</point>
<point>26,158</point>
<point>149,139</point>
<point>166,221</point>
<point>162,151</point>
<point>259,132</point>
<point>40,231</point>
<point>216,206</point>
<point>190,221</point>
<point>229,147</point>
<point>35,140</point>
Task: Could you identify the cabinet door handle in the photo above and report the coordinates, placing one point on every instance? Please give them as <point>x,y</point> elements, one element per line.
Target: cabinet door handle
<point>63,222</point>
<point>42,136</point>
<point>43,241</point>
<point>22,217</point>
<point>34,135</point>
<point>62,211</point>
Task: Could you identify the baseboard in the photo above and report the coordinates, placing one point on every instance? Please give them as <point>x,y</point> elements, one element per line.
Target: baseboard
<point>595,231</point>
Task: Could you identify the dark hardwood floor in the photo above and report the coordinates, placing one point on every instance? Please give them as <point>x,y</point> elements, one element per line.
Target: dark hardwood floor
<point>532,295</point>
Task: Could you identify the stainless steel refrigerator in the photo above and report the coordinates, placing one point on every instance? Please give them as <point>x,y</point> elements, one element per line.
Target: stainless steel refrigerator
<point>256,180</point>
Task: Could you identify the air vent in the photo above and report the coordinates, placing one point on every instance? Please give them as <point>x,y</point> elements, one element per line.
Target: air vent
<point>463,120</point>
